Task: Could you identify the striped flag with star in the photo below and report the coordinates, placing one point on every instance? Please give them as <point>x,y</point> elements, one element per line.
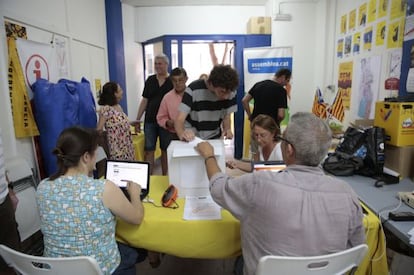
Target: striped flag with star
<point>337,109</point>
<point>319,106</point>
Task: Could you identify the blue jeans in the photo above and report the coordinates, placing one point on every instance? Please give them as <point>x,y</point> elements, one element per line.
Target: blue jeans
<point>130,256</point>
<point>152,131</point>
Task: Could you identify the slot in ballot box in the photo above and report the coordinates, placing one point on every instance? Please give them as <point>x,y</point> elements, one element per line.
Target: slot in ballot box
<point>186,168</point>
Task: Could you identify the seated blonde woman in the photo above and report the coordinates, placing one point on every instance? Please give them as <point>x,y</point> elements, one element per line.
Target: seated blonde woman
<point>265,132</point>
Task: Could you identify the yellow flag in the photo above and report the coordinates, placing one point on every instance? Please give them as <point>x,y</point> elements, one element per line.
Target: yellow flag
<point>23,119</point>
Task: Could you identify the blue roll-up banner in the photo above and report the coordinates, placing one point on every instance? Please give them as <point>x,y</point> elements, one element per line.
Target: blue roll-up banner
<point>262,63</point>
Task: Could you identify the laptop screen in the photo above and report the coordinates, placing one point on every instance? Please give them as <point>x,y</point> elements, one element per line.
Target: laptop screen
<point>121,171</point>
<point>274,166</point>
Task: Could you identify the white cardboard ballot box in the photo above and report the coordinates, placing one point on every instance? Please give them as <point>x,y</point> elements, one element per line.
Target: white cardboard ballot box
<point>186,168</point>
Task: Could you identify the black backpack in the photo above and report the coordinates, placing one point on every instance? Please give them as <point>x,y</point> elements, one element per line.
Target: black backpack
<point>359,152</point>
<point>341,164</point>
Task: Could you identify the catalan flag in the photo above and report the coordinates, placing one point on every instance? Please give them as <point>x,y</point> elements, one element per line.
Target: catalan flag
<point>319,106</point>
<point>337,109</point>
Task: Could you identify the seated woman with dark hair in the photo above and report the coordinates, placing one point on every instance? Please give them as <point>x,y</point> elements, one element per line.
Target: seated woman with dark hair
<point>78,213</point>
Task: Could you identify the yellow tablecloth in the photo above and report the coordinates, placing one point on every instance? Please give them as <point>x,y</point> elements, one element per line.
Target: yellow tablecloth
<point>139,141</point>
<point>375,262</point>
<point>164,230</point>
<point>246,139</point>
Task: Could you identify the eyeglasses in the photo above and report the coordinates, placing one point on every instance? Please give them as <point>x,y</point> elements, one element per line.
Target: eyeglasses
<point>279,137</point>
<point>261,135</point>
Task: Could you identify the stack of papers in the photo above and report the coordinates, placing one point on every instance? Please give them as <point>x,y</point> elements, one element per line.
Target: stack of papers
<point>411,234</point>
<point>201,208</point>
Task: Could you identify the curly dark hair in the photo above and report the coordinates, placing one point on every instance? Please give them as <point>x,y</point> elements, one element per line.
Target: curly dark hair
<point>107,94</point>
<point>224,76</point>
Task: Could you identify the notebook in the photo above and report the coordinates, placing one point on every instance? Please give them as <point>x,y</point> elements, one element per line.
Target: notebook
<point>120,171</point>
<point>274,166</point>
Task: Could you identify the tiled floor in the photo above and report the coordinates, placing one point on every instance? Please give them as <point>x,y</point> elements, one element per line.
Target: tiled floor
<point>171,265</point>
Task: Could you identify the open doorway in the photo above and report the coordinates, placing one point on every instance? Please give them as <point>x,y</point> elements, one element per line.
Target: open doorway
<point>192,52</point>
<point>198,56</point>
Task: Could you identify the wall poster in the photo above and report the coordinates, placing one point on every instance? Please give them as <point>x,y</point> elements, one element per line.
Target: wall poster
<point>367,76</point>
<point>345,82</point>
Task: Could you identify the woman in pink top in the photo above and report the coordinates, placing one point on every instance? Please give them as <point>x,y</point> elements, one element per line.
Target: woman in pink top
<point>168,110</point>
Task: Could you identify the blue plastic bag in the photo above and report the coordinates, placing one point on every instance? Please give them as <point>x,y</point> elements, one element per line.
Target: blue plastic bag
<point>58,106</point>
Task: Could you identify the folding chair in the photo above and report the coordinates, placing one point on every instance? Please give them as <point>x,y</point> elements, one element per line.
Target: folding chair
<point>335,263</point>
<point>36,265</point>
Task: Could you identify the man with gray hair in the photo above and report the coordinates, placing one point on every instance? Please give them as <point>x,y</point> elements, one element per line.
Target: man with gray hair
<point>298,211</point>
<point>156,86</point>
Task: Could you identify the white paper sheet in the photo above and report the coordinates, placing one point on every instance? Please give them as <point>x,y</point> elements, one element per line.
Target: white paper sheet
<point>195,141</point>
<point>411,234</point>
<point>201,208</point>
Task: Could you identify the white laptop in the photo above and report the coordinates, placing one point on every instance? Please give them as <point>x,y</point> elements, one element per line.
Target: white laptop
<point>121,171</point>
<point>274,166</point>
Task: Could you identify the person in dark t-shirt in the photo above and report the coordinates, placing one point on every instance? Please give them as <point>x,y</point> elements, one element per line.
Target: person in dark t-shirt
<point>270,98</point>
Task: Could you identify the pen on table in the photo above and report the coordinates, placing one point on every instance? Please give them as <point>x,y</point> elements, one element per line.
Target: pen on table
<point>201,198</point>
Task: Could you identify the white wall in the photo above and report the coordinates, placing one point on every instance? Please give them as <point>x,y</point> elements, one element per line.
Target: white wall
<point>141,24</point>
<point>82,23</point>
<point>304,33</point>
<point>344,8</point>
<point>133,62</point>
<point>156,21</point>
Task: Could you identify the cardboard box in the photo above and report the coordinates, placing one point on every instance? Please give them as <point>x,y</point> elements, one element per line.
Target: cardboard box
<point>400,159</point>
<point>259,25</point>
<point>397,118</point>
<point>364,123</point>
<point>186,168</point>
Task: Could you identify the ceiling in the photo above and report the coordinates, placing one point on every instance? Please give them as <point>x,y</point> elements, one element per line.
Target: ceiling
<point>161,3</point>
